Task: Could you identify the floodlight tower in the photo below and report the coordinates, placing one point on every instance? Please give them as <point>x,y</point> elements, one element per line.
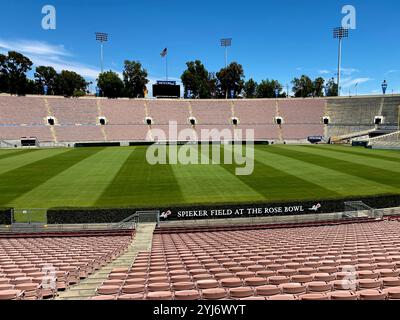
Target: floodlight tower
<point>340,33</point>
<point>101,37</point>
<point>226,42</point>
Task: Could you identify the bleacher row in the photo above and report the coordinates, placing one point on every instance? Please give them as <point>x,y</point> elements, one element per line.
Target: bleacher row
<point>349,115</point>
<point>388,141</point>
<point>359,261</point>
<point>36,268</point>
<point>78,119</point>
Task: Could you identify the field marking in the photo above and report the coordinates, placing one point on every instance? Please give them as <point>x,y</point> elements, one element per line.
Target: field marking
<point>331,179</point>
<point>25,158</point>
<point>79,185</point>
<point>205,183</point>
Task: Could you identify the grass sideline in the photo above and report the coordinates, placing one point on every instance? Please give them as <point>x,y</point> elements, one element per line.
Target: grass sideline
<point>121,177</point>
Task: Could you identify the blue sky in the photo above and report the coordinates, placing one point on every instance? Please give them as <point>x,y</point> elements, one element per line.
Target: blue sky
<point>271,39</point>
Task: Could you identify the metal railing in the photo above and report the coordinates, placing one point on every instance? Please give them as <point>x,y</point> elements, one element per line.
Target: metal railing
<point>128,223</point>
<point>29,225</point>
<point>358,209</point>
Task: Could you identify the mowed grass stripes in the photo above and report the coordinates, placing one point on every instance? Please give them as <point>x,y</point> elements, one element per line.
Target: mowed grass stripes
<point>276,182</point>
<point>344,178</point>
<point>205,183</point>
<point>140,184</point>
<point>26,158</point>
<point>376,171</point>
<point>121,177</point>
<point>80,184</point>
<point>12,153</point>
<point>21,180</point>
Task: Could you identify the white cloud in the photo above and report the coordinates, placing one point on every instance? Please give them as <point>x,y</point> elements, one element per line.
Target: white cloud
<point>324,72</point>
<point>393,71</point>
<point>34,47</point>
<point>350,82</point>
<point>84,70</point>
<point>349,71</point>
<point>44,54</point>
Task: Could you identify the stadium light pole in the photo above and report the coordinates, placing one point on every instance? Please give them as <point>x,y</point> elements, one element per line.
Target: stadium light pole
<point>340,33</point>
<point>226,42</point>
<point>101,37</point>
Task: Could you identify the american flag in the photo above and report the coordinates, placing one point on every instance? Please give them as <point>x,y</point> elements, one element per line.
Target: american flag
<point>164,52</point>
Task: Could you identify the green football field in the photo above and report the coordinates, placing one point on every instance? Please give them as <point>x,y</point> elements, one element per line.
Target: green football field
<point>121,177</point>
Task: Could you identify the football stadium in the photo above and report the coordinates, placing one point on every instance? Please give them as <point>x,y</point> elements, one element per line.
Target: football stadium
<point>181,190</point>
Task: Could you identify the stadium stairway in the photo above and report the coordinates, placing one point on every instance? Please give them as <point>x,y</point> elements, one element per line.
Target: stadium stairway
<point>100,114</point>
<point>338,139</point>
<point>87,288</point>
<point>50,114</point>
<point>278,114</point>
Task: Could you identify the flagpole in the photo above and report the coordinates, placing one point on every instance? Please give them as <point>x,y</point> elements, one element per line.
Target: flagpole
<point>166,66</point>
<point>164,54</point>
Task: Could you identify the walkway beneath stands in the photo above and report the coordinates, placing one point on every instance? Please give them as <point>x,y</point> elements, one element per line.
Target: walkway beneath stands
<point>87,288</point>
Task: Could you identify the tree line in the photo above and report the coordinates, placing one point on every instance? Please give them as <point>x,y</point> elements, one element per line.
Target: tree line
<point>13,79</point>
<point>198,82</point>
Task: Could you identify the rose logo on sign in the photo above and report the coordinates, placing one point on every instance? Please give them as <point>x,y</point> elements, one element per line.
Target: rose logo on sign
<point>315,208</point>
<point>165,215</point>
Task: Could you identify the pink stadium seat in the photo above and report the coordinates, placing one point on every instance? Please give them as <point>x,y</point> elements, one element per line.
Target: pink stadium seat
<point>187,295</point>
<point>241,292</point>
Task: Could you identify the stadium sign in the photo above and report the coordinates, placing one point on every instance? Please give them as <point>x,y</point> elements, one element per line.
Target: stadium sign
<point>163,82</point>
<point>315,139</point>
<point>237,211</point>
<point>197,212</point>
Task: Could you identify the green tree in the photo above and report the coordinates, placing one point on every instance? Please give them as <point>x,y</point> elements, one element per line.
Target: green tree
<point>3,74</point>
<point>71,84</point>
<point>319,87</point>
<point>32,87</point>
<point>198,81</point>
<point>14,67</point>
<point>110,84</point>
<point>266,89</point>
<point>332,88</point>
<point>303,87</point>
<point>135,79</point>
<point>48,76</point>
<point>230,78</point>
<point>250,89</point>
